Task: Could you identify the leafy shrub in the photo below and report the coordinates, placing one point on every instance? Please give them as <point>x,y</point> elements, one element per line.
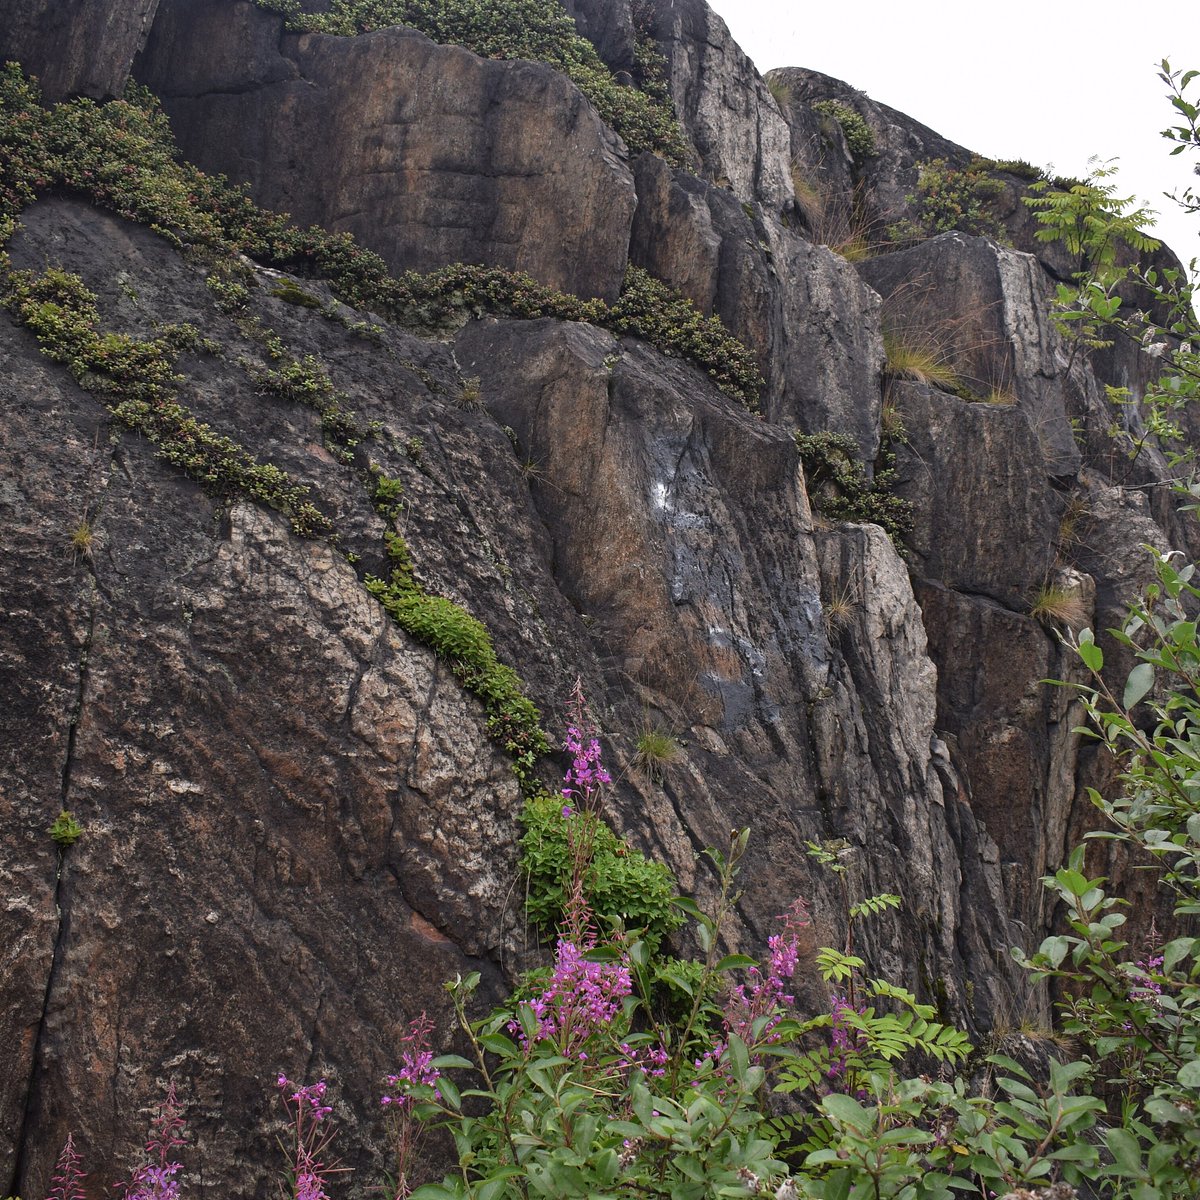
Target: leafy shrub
<point>539,30</point>
<point>838,484</point>
<point>947,198</point>
<point>860,140</point>
<point>621,885</point>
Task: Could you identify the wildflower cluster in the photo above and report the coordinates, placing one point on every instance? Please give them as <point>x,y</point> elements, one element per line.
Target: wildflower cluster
<point>582,999</point>
<point>155,1178</point>
<point>416,1066</point>
<point>307,1110</point>
<point>756,1007</point>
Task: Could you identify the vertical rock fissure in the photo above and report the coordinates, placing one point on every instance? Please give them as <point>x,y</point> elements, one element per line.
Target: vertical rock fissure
<point>61,905</point>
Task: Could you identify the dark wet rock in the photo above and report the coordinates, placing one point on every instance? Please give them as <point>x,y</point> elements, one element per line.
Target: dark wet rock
<point>985,519</point>
<point>802,308</point>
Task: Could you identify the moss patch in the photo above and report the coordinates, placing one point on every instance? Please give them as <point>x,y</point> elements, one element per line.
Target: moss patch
<point>465,645</point>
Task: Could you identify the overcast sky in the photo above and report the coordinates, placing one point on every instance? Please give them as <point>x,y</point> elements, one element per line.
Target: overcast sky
<point>1049,82</point>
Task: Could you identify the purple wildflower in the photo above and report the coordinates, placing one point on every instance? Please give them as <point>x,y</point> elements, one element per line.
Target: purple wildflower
<point>845,1038</point>
<point>306,1108</point>
<point>155,1178</point>
<point>766,995</point>
<point>1146,986</point>
<point>67,1181</point>
<point>581,998</point>
<point>416,1067</point>
<point>586,774</point>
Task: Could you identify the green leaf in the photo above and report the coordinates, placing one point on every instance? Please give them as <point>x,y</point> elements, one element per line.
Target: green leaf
<point>732,961</point>
<point>1140,681</point>
<point>1127,1154</point>
<point>1092,655</point>
<point>453,1060</point>
<point>848,1110</point>
<point>1189,1074</point>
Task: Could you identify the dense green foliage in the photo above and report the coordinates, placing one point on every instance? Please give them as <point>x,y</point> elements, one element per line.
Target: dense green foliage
<point>838,484</point>
<point>539,30</point>
<point>859,139</point>
<point>622,887</point>
<point>947,198</point>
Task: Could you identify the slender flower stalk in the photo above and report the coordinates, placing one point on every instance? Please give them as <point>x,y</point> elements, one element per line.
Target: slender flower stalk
<point>406,1125</point>
<point>582,791</point>
<point>155,1178</point>
<point>67,1181</point>
<point>307,1110</point>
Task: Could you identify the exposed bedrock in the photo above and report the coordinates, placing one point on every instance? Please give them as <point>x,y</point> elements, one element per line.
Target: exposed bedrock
<point>723,103</point>
<point>76,47</point>
<point>680,529</point>
<point>428,154</point>
<point>811,321</point>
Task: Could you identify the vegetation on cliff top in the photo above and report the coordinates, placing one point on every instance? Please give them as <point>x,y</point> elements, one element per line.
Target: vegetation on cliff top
<point>122,156</point>
<point>539,30</point>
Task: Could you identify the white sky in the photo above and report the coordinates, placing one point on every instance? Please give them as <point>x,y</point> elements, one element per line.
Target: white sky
<point>1050,82</point>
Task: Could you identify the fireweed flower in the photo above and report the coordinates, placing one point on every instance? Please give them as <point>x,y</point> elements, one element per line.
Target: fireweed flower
<point>586,774</point>
<point>582,998</point>
<point>766,994</point>
<point>155,1178</point>
<point>67,1181</point>
<point>1145,986</point>
<point>844,1038</point>
<point>416,1067</point>
<point>307,1109</point>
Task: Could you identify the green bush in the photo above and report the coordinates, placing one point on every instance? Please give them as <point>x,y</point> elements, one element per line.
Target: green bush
<point>838,485</point>
<point>860,140</point>
<point>947,198</point>
<point>621,884</point>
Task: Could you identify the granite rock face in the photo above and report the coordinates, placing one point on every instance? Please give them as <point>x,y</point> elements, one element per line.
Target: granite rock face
<point>426,153</point>
<point>295,825</point>
<point>800,307</point>
<point>76,47</point>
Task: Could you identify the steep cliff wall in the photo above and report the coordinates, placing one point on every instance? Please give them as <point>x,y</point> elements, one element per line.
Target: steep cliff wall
<point>296,824</point>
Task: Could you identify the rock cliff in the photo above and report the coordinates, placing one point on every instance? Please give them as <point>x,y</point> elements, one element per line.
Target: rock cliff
<point>297,823</point>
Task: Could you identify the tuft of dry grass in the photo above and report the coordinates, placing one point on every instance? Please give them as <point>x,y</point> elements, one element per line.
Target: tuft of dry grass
<point>655,752</point>
<point>839,609</point>
<point>920,356</point>
<point>81,539</point>
<point>1059,606</point>
<point>470,398</point>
